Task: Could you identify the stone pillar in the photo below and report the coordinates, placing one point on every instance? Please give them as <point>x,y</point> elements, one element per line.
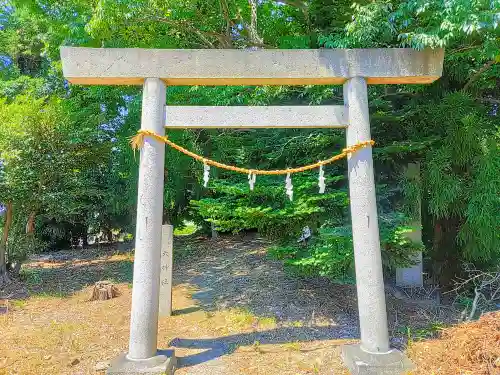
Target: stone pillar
<point>167,263</point>
<point>143,356</point>
<point>365,233</point>
<point>374,351</point>
<point>413,276</point>
<point>146,284</point>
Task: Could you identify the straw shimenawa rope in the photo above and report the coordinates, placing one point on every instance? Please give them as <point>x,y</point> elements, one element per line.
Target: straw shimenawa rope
<point>137,142</point>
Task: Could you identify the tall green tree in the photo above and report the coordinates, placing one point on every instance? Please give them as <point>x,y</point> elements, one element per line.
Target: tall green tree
<point>450,127</point>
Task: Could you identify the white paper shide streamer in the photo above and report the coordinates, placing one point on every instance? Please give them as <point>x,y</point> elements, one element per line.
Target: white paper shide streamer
<point>206,174</point>
<point>251,180</point>
<point>289,186</point>
<point>321,180</point>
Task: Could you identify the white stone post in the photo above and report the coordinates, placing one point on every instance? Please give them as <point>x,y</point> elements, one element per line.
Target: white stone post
<point>365,232</point>
<point>146,283</point>
<point>413,276</point>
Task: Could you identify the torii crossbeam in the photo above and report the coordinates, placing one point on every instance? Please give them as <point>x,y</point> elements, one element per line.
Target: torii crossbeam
<point>156,69</point>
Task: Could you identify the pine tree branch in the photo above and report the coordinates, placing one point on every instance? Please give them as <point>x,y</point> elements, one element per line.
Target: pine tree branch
<point>406,93</point>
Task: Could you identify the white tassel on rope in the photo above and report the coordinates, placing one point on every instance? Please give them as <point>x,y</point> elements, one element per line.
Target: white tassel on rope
<point>251,180</point>
<point>321,180</point>
<point>206,174</point>
<point>289,186</point>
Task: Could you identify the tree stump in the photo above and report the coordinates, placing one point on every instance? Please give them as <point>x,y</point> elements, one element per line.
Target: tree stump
<point>104,290</point>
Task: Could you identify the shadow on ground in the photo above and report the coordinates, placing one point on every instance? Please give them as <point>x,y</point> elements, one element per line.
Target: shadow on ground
<point>239,274</point>
<point>236,273</point>
<point>66,278</point>
<point>221,346</point>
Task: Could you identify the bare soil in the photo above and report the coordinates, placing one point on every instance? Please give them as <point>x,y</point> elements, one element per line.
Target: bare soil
<point>235,312</point>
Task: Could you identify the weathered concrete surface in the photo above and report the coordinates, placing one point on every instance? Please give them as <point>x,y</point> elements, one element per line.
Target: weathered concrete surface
<point>413,276</point>
<point>123,66</point>
<point>167,257</point>
<point>365,232</point>
<point>163,363</point>
<point>146,282</point>
<point>360,362</point>
<point>328,116</point>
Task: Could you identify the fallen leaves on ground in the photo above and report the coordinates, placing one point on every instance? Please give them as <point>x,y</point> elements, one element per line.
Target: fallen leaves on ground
<point>467,349</point>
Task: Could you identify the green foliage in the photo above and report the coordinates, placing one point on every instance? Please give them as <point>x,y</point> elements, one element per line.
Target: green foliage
<point>330,255</point>
<point>461,172</point>
<point>186,229</point>
<point>397,249</point>
<point>432,330</point>
<point>330,252</point>
<point>20,245</point>
<point>419,24</point>
<point>451,127</point>
<point>31,276</point>
<point>233,207</point>
<point>64,150</point>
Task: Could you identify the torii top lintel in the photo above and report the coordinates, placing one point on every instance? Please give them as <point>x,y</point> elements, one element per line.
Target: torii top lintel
<point>188,67</point>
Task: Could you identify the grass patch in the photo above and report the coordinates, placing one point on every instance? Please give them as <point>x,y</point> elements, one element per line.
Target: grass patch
<point>48,294</point>
<point>267,323</point>
<point>32,276</point>
<point>64,279</point>
<point>239,317</point>
<point>292,346</point>
<point>17,303</point>
<point>431,331</point>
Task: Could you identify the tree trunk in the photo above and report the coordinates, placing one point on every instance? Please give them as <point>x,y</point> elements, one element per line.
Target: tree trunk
<point>254,37</point>
<point>4,276</point>
<point>30,224</point>
<point>30,233</point>
<point>445,251</point>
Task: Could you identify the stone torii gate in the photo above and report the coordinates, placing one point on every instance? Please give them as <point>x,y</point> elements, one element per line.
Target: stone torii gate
<point>156,69</point>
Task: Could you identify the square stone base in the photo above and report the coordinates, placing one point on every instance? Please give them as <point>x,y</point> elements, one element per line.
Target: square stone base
<point>360,362</point>
<point>161,364</point>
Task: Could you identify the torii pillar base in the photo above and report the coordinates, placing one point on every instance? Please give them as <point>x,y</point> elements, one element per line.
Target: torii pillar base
<point>163,363</point>
<point>361,362</point>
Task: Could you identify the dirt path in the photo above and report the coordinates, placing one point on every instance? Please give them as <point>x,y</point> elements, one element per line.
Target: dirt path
<point>261,321</point>
<point>235,312</point>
